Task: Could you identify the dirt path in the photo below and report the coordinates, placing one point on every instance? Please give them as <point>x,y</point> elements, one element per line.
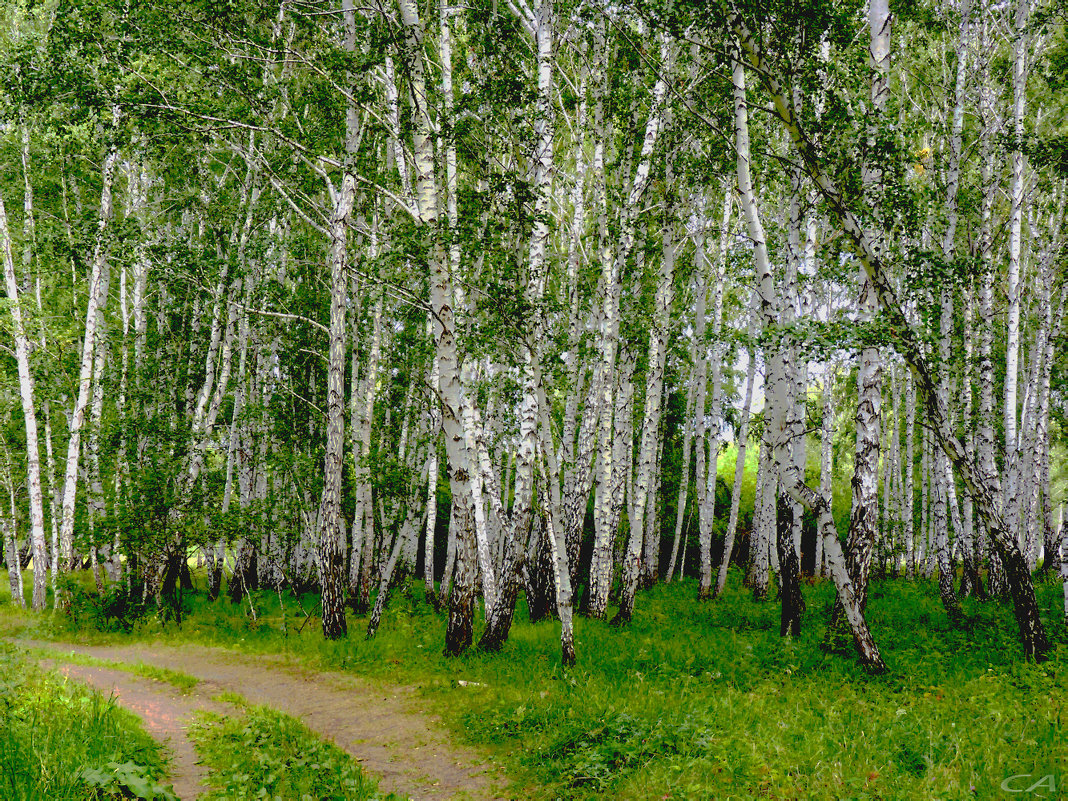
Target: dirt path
<point>166,714</point>
<point>407,751</point>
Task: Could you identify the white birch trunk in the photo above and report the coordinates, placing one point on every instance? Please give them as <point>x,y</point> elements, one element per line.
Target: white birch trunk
<point>29,416</point>
<point>684,477</point>
<point>1011,501</point>
<point>739,463</point>
<point>460,462</point>
<point>95,299</point>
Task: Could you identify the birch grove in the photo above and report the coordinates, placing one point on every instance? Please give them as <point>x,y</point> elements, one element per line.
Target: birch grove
<point>534,299</point>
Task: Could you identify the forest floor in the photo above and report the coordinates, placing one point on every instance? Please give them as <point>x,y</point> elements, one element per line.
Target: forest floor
<point>408,751</point>
<point>690,701</point>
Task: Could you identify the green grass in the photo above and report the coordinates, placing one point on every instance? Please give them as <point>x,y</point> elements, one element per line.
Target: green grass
<point>59,741</point>
<point>266,754</point>
<point>706,700</point>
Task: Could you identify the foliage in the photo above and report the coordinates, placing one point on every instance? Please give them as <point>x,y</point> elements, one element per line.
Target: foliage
<point>118,608</point>
<point>126,780</point>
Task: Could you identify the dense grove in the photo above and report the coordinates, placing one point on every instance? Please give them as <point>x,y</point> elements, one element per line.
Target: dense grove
<point>548,301</point>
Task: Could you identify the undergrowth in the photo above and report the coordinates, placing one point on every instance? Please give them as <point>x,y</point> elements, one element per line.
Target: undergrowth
<point>705,700</point>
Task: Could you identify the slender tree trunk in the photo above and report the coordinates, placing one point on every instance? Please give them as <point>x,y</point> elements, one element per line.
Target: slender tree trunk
<point>684,477</point>
<point>551,500</point>
<point>652,436</point>
<point>460,462</point>
<point>792,481</point>
<point>432,495</point>
<point>1014,288</point>
<point>826,455</point>
<point>517,527</point>
<point>29,416</point>
<point>614,259</point>
<point>863,518</point>
<point>9,524</point>
<point>707,513</point>
<point>332,535</point>
<point>96,298</point>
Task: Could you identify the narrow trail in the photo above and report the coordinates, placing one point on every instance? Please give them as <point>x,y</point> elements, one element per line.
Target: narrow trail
<point>165,712</point>
<point>407,751</point>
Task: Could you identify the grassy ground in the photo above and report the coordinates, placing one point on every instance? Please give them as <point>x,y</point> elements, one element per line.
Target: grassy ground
<point>266,754</point>
<point>706,700</point>
<point>59,741</point>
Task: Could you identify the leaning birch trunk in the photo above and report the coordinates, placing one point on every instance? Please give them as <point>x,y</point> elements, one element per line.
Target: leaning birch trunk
<point>459,463</point>
<point>408,530</point>
<point>331,550</point>
<point>983,486</point>
<point>792,481</point>
<point>29,416</point>
<point>97,279</point>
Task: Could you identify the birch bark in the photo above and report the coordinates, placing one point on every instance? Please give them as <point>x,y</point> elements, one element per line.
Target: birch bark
<point>518,526</point>
<point>458,633</point>
<point>95,299</point>
<point>1010,497</point>
<point>863,518</point>
<point>615,258</point>
<point>29,416</point>
<point>331,546</point>
<point>739,463</point>
<point>785,467</point>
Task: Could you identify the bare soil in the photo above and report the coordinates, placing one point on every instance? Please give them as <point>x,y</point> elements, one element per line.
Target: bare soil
<point>408,751</point>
